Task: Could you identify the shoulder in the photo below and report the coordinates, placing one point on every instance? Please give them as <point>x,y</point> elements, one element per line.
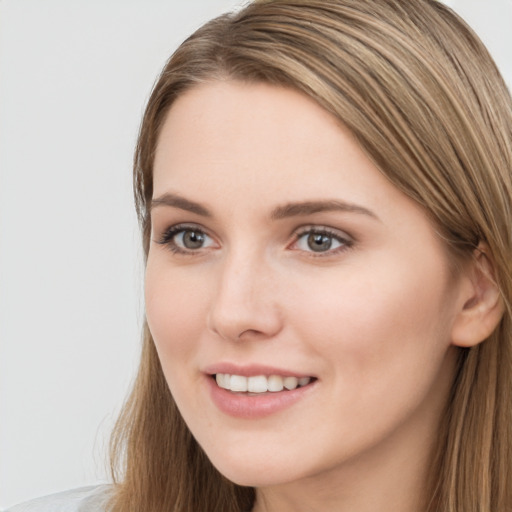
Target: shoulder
<point>84,499</point>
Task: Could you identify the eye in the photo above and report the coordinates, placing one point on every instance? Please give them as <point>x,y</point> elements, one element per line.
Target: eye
<point>186,239</point>
<point>322,241</point>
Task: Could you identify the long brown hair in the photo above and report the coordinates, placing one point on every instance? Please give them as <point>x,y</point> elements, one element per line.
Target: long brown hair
<point>426,102</point>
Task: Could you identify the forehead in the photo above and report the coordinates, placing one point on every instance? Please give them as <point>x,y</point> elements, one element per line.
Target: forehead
<point>210,112</point>
<point>233,134</point>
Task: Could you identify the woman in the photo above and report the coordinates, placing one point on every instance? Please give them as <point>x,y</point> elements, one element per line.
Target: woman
<point>324,189</point>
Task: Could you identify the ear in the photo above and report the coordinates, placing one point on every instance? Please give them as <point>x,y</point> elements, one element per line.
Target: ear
<point>481,302</point>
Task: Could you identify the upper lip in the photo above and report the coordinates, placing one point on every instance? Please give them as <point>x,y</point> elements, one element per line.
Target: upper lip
<point>251,370</point>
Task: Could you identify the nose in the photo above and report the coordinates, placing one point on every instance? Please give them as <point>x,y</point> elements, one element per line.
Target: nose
<point>244,305</point>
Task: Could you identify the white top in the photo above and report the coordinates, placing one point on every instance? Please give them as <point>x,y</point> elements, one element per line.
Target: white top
<point>84,499</point>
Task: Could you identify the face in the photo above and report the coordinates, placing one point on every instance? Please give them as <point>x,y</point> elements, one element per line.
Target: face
<point>300,304</point>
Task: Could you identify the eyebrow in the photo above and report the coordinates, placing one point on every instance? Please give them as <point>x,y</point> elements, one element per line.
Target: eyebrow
<point>311,207</point>
<point>281,212</point>
<point>180,202</point>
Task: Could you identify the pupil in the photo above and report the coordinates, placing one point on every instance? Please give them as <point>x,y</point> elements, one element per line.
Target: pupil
<point>318,242</point>
<point>193,239</point>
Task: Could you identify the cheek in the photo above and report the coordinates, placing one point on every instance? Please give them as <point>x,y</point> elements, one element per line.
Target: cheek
<point>374,324</point>
<point>383,339</point>
<point>175,311</point>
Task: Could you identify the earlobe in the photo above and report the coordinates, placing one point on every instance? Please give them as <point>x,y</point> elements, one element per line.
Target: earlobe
<point>482,304</point>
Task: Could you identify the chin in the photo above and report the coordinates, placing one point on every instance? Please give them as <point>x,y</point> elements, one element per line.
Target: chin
<point>255,471</point>
<point>255,477</point>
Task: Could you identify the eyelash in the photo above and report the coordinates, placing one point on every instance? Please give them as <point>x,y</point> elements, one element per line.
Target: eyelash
<point>168,235</point>
<point>345,241</point>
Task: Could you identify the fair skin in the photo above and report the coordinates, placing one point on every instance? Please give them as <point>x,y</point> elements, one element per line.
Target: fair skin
<point>352,288</point>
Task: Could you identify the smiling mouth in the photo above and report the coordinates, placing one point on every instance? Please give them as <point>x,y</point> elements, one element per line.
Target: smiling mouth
<point>260,383</point>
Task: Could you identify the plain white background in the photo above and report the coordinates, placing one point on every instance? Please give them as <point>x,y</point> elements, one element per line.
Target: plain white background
<point>74,79</point>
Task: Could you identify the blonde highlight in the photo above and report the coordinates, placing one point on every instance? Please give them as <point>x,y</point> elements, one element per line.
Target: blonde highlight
<point>424,99</point>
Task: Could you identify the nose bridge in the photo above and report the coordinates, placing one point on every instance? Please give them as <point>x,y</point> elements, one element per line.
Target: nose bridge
<point>243,301</point>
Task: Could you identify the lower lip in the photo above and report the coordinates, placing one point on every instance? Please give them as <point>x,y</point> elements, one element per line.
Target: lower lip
<point>242,405</point>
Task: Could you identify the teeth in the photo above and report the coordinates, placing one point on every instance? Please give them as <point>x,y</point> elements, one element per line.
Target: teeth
<point>222,380</point>
<point>304,381</point>
<point>238,383</point>
<point>275,383</point>
<point>259,383</point>
<point>291,382</point>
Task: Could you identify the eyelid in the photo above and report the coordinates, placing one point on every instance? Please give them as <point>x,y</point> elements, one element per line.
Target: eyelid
<point>346,240</point>
<point>166,238</point>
